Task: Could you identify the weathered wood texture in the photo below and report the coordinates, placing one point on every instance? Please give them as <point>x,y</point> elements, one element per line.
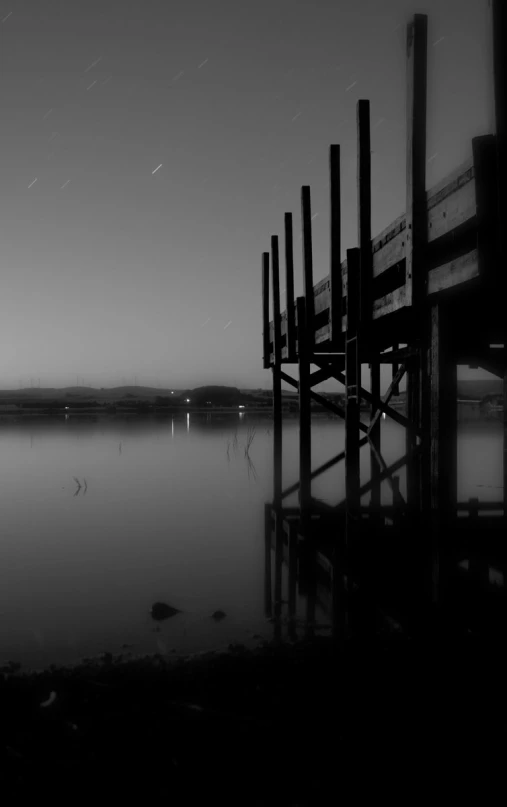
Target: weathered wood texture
<point>451,232</point>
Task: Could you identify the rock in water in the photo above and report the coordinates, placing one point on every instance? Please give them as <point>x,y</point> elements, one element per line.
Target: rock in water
<point>160,610</point>
<point>218,615</point>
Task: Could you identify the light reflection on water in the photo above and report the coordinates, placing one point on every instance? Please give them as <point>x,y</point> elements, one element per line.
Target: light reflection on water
<point>173,511</point>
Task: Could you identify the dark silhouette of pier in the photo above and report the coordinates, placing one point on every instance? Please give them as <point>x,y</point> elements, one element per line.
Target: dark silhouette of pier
<point>425,295</point>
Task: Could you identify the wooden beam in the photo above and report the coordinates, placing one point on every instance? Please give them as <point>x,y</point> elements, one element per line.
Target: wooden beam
<point>415,219</point>
<point>364,210</point>
<point>289,287</point>
<point>277,381</point>
<point>305,422</point>
<point>322,468</point>
<point>265,309</point>
<point>306,220</point>
<point>335,277</point>
<point>390,392</point>
<point>378,402</point>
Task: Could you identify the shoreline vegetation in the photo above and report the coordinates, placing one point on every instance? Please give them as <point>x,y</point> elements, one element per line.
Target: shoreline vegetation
<point>220,399</point>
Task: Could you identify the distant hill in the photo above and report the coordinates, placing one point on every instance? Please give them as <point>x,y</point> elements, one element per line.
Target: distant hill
<point>85,393</point>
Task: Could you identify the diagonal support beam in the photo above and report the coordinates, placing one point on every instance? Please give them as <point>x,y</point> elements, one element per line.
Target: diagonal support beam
<point>337,410</point>
<point>384,475</point>
<point>321,469</point>
<point>390,392</point>
<point>381,405</point>
<point>383,468</point>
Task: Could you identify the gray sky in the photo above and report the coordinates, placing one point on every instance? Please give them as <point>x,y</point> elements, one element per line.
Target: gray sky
<point>113,267</point>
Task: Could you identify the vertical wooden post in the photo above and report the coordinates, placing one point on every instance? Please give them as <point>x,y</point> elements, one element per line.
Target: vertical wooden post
<point>265,309</point>
<point>443,440</point>
<point>484,150</point>
<point>375,435</point>
<point>396,390</point>
<point>505,443</point>
<point>305,423</point>
<point>267,559</point>
<point>364,211</point>
<point>306,219</point>
<point>499,36</point>
<point>352,381</point>
<point>278,562</point>
<point>293,567</point>
<point>277,379</point>
<point>289,287</point>
<point>352,418</point>
<point>416,226</point>
<point>335,277</point>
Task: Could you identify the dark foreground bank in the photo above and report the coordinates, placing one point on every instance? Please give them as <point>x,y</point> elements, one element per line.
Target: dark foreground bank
<point>284,725</point>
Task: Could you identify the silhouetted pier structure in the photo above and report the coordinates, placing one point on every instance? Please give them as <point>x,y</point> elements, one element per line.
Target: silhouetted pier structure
<point>425,295</point>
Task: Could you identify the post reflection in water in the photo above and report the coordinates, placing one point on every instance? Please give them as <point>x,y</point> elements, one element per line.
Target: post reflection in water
<point>298,578</point>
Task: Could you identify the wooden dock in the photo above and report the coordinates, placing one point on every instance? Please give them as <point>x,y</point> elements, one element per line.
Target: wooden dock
<point>426,294</point>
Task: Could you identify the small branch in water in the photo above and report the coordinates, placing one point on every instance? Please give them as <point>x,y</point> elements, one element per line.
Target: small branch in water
<point>85,485</point>
<point>78,483</point>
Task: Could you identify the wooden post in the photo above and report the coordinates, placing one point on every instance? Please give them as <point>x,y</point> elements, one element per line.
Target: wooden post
<point>293,567</point>
<point>277,379</point>
<point>375,436</point>
<point>416,228</point>
<point>267,560</point>
<point>364,212</point>
<point>352,417</point>
<point>484,150</point>
<point>443,440</point>
<point>305,423</point>
<point>289,287</point>
<point>499,37</point>
<point>396,390</point>
<point>265,309</point>
<point>278,562</point>
<point>306,219</point>
<point>335,277</point>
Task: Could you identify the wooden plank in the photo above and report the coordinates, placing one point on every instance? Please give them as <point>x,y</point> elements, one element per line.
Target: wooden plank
<point>454,273</point>
<point>306,220</point>
<point>305,423</point>
<point>335,280</point>
<point>416,212</point>
<point>289,287</point>
<point>364,210</point>
<point>277,382</point>
<point>389,303</point>
<point>265,309</point>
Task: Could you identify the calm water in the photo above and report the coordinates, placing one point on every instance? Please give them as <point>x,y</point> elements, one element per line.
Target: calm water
<point>168,514</point>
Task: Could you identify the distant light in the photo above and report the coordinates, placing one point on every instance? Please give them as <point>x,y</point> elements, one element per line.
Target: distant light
<point>66,407</point>
<point>241,406</point>
<point>172,393</point>
<point>187,400</point>
<point>384,415</point>
<point>497,346</point>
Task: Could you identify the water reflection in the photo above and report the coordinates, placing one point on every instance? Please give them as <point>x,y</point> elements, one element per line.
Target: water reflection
<point>89,541</point>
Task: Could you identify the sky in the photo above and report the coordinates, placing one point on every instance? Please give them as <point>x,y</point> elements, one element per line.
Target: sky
<point>150,148</point>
